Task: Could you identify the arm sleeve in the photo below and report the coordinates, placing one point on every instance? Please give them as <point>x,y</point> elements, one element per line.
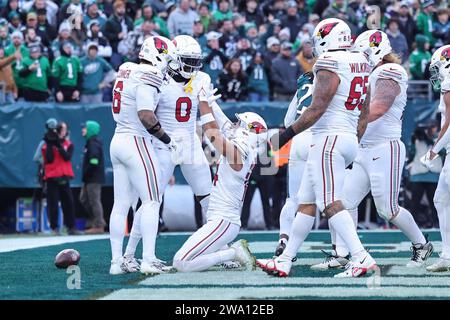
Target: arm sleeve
<point>146,97</point>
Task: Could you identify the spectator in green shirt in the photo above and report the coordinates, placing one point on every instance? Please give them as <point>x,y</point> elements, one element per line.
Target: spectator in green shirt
<point>425,20</point>
<point>419,58</point>
<point>223,13</point>
<point>17,45</point>
<point>68,75</point>
<point>148,14</point>
<point>97,74</point>
<point>35,76</point>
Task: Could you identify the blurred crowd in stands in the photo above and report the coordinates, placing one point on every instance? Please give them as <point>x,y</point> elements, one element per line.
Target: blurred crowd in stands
<point>67,50</point>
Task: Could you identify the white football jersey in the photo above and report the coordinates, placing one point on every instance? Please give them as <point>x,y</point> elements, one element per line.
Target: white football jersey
<point>229,187</point>
<point>389,126</point>
<point>136,88</point>
<point>178,106</point>
<point>343,112</point>
<point>445,87</point>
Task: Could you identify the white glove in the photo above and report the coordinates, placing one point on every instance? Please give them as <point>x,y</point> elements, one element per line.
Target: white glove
<point>175,151</point>
<point>213,97</point>
<point>427,161</point>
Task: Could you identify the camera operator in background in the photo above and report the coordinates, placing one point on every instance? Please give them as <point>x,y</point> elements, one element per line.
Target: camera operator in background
<point>421,179</point>
<point>57,153</point>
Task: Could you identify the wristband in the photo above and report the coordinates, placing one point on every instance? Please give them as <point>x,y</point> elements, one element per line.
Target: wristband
<point>153,130</point>
<point>165,138</point>
<point>206,118</point>
<point>287,135</point>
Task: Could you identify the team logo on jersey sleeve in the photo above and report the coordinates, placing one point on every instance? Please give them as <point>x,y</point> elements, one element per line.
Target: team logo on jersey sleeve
<point>326,29</point>
<point>161,45</point>
<point>375,39</point>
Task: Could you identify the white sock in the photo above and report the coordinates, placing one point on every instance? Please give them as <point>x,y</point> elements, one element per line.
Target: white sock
<point>287,216</point>
<point>135,236</point>
<point>444,226</point>
<point>204,262</point>
<point>117,223</point>
<point>345,228</point>
<point>341,247</point>
<point>149,212</point>
<point>405,222</point>
<point>300,229</point>
<point>204,203</point>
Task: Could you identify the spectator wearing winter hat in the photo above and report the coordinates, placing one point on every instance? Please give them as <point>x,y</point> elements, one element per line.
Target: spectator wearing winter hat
<point>419,58</point>
<point>93,13</point>
<point>149,15</point>
<point>35,75</point>
<point>15,23</point>
<point>9,91</point>
<point>251,33</point>
<point>45,28</point>
<point>94,35</point>
<point>116,29</point>
<point>64,34</point>
<point>97,75</point>
<point>406,24</point>
<point>68,75</point>
<point>292,21</point>
<point>397,39</point>
<point>252,13</point>
<point>232,82</point>
<point>17,44</point>
<point>223,12</point>
<point>215,59</point>
<point>425,20</point>
<point>284,73</point>
<point>181,20</point>
<point>258,80</point>
<point>305,56</point>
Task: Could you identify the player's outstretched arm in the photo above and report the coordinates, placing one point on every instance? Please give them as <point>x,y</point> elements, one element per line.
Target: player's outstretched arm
<point>386,90</point>
<point>325,87</point>
<point>214,134</point>
<point>364,116</point>
<point>444,136</point>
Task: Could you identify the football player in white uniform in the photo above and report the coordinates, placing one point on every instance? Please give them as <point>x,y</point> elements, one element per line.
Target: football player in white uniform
<point>237,145</point>
<point>177,112</point>
<point>136,92</point>
<point>381,155</point>
<point>297,156</point>
<point>338,118</point>
<point>440,78</point>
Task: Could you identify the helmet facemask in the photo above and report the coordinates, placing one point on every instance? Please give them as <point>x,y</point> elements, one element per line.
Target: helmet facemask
<point>435,77</point>
<point>189,65</point>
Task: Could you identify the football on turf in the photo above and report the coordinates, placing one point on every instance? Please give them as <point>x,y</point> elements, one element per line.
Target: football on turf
<point>66,258</point>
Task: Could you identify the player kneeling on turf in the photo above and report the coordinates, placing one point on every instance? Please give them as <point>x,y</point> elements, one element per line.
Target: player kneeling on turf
<point>237,144</point>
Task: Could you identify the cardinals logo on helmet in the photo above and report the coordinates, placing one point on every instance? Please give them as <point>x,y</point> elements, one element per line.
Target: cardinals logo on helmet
<point>375,39</point>
<point>257,127</point>
<point>445,55</point>
<point>161,45</point>
<point>326,29</point>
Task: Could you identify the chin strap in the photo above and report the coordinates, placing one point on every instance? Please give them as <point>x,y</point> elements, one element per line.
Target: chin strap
<point>188,88</point>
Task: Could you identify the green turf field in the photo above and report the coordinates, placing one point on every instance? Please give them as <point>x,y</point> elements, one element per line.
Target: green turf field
<point>30,274</point>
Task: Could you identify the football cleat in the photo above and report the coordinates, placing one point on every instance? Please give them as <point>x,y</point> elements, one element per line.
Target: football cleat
<point>130,264</point>
<point>420,254</point>
<point>154,267</point>
<point>243,254</point>
<point>278,267</point>
<point>232,264</point>
<point>332,261</point>
<point>358,267</point>
<point>116,267</point>
<point>280,249</point>
<point>262,262</point>
<point>442,265</point>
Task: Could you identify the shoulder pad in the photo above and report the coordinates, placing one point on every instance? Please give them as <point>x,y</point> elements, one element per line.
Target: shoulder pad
<point>149,75</point>
<point>327,61</point>
<point>393,71</point>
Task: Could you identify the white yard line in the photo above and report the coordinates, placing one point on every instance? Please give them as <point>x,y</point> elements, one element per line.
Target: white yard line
<point>19,243</point>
